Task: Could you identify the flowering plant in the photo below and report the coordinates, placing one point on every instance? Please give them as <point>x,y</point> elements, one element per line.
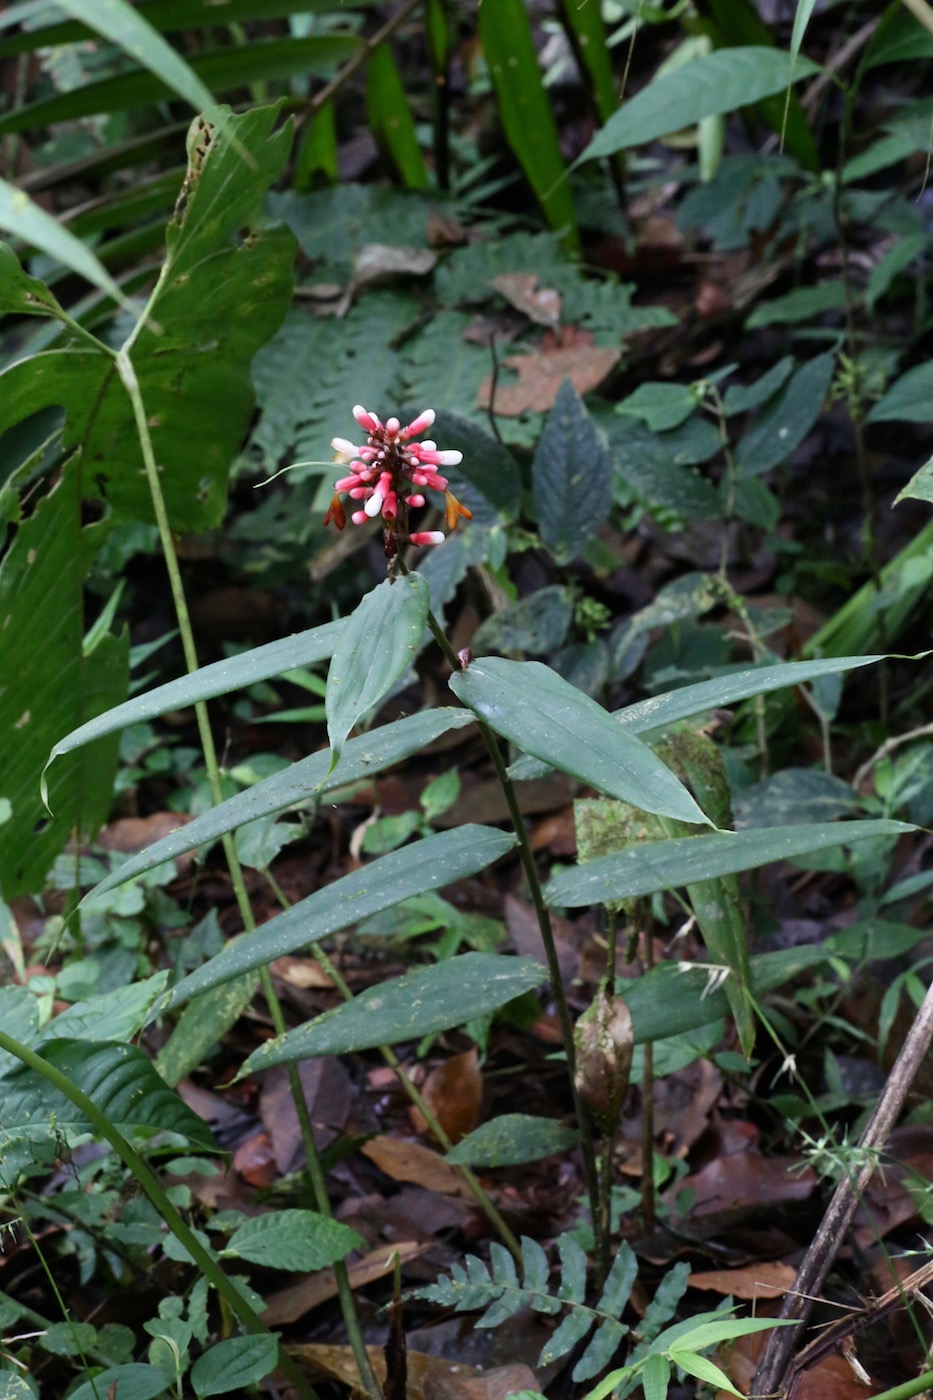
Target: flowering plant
<point>386,473</point>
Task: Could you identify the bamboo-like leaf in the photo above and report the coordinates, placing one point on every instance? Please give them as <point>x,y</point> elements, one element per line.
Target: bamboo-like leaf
<point>235,673</point>
<point>512,1139</point>
<point>309,778</point>
<point>121,24</point>
<point>538,710</point>
<point>390,118</point>
<point>708,86</point>
<point>26,220</point>
<point>378,645</point>
<point>655,866</point>
<point>422,1002</point>
<point>526,110</point>
<point>429,864</point>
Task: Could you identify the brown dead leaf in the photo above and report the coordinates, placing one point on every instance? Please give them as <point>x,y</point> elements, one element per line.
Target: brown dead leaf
<point>326,1088</point>
<point>520,289</point>
<point>254,1159</point>
<point>304,973</point>
<point>832,1378</point>
<point>748,1179</point>
<point>525,933</point>
<point>333,1363</point>
<point>768,1280</point>
<point>290,1303</point>
<point>376,263</point>
<point>496,1384</point>
<point>453,1092</point>
<point>444,232</point>
<point>410,1161</point>
<point>131,834</point>
<point>540,378</point>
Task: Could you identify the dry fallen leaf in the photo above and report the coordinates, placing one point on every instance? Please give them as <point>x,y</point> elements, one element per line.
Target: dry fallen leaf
<point>290,1303</point>
<point>495,1384</point>
<point>409,1161</point>
<point>748,1179</point>
<point>453,1091</point>
<point>540,378</point>
<point>520,289</point>
<point>333,1363</point>
<point>768,1280</point>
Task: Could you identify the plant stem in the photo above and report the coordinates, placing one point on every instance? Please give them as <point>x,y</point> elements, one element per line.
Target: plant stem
<point>526,855</point>
<point>315,1173</point>
<point>149,1184</point>
<point>417,1098</point>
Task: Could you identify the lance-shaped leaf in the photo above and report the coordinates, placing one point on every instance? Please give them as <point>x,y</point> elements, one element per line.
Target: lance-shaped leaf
<point>658,711</point>
<point>259,664</point>
<point>380,642</point>
<point>422,1002</point>
<point>708,86</point>
<point>120,1080</point>
<point>23,218</point>
<point>543,714</point>
<point>308,778</point>
<point>427,865</point>
<point>655,866</point>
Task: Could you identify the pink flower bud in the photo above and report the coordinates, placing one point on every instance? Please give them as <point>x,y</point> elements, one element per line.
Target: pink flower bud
<point>392,426</point>
<point>347,483</point>
<point>359,517</point>
<point>427,537</point>
<point>415,501</point>
<point>366,420</point>
<point>419,424</point>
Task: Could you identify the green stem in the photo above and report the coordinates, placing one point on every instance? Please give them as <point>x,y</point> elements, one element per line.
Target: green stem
<point>150,1186</point>
<point>315,1173</point>
<point>543,914</point>
<point>908,1389</point>
<point>430,1117</point>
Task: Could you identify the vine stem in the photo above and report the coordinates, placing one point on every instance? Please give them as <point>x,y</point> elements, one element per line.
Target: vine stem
<point>543,914</point>
<point>128,376</point>
<point>150,1185</point>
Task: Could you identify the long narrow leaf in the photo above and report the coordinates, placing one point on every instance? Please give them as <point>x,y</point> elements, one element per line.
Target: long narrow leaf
<point>543,714</point>
<point>309,778</point>
<point>424,1001</point>
<point>709,86</point>
<point>259,664</point>
<point>654,866</point>
<point>24,219</point>
<point>662,710</point>
<point>428,865</point>
<point>121,24</point>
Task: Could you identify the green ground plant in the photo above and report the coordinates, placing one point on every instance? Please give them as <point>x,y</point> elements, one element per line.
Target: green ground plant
<point>134,417</point>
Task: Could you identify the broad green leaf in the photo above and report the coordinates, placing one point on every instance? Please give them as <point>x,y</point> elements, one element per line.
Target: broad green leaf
<point>259,664</point>
<point>235,1364</point>
<point>899,38</point>
<point>525,110</point>
<point>511,1139</point>
<point>20,294</point>
<point>708,86</point>
<point>920,485</point>
<point>116,1015</point>
<point>49,685</point>
<point>740,398</point>
<point>571,476</point>
<point>655,866</point>
<point>909,400</point>
<point>300,1240</point>
<point>895,261</point>
<point>537,624</point>
<point>121,1081</point>
<point>803,304</point>
<point>301,783</point>
<point>118,22</point>
<point>487,480</point>
<point>784,423</point>
<point>224,289</point>
<point>535,708</point>
<point>572,1330</point>
<point>19,1018</point>
<point>436,861</point>
<point>26,220</point>
<point>16,1387</point>
<point>132,1381</point>
<point>422,1002</point>
<point>379,643</point>
<point>647,464</point>
<point>585,23</point>
<point>660,405</point>
<point>390,119</point>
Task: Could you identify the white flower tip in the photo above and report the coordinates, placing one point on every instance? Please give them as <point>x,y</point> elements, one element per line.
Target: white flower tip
<point>428,537</point>
<point>343,446</point>
<point>419,424</point>
<point>451,458</point>
<point>373,505</point>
